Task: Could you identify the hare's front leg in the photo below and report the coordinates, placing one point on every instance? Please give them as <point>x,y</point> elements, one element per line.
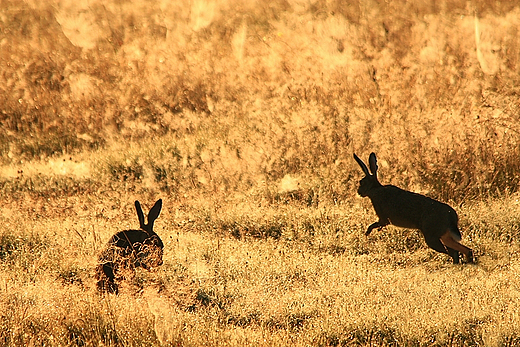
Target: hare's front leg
<point>379,224</point>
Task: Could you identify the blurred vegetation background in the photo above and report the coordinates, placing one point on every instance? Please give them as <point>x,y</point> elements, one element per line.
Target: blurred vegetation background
<point>268,98</point>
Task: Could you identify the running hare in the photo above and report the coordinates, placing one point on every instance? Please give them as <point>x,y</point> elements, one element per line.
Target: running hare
<point>129,249</point>
<point>437,221</point>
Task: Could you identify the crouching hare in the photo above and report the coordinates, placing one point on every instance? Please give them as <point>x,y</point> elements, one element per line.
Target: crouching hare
<point>129,249</point>
<point>437,221</point>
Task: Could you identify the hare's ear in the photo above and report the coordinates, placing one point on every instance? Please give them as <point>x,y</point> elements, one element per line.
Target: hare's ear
<point>140,214</point>
<point>363,166</point>
<point>154,212</point>
<point>372,161</point>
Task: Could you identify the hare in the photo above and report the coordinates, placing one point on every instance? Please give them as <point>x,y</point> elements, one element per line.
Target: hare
<point>129,249</point>
<point>437,221</point>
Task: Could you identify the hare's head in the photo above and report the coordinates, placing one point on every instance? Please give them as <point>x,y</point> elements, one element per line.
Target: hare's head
<point>370,181</point>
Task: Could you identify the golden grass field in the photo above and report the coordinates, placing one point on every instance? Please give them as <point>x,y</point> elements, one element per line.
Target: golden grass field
<point>243,117</point>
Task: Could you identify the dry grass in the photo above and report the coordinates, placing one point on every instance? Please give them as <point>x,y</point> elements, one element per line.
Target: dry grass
<point>243,116</point>
<point>314,279</point>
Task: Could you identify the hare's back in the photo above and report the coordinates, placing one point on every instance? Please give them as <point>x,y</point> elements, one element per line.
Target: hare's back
<point>127,238</point>
<point>411,210</point>
<point>412,201</point>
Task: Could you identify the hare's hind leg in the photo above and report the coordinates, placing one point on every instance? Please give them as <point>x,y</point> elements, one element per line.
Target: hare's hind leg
<point>449,242</point>
<point>440,247</point>
<point>435,244</point>
<point>454,255</point>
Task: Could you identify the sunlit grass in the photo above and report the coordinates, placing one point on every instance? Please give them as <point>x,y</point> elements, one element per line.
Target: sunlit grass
<point>243,117</point>
<point>320,281</point>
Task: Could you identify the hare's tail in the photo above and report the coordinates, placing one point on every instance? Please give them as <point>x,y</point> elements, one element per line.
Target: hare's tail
<point>455,233</point>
